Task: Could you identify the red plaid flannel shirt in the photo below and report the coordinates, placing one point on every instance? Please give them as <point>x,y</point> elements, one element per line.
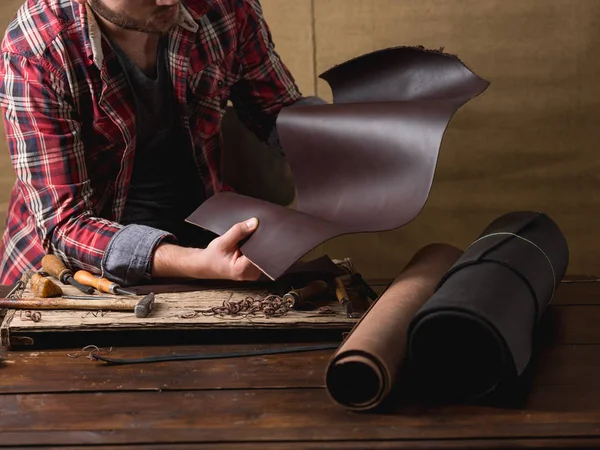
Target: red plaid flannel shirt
<point>70,123</point>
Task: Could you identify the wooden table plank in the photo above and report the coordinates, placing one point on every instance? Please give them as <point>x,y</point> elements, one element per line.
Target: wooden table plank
<point>20,371</point>
<point>567,364</point>
<point>567,324</point>
<point>297,415</point>
<point>459,444</point>
<point>577,293</point>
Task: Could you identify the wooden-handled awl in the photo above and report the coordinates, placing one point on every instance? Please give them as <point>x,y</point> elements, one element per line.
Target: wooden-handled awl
<point>102,284</point>
<point>299,298</point>
<point>141,307</point>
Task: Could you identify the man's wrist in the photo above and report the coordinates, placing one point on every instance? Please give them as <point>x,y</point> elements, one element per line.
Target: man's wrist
<point>173,261</point>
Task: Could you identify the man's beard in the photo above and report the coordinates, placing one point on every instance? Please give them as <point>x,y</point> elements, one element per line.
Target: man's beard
<point>122,20</point>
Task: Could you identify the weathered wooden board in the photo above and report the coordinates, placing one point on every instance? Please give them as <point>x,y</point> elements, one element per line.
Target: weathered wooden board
<point>171,311</point>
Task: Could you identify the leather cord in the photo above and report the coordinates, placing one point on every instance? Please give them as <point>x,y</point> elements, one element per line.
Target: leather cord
<point>201,356</point>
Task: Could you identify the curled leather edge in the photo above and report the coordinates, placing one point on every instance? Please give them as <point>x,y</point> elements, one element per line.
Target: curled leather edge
<point>365,163</point>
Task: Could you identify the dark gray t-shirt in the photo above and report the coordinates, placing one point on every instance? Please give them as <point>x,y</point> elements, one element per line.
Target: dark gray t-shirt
<point>165,185</point>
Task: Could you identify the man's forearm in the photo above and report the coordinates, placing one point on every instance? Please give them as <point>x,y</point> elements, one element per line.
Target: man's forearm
<point>144,254</point>
<point>173,261</point>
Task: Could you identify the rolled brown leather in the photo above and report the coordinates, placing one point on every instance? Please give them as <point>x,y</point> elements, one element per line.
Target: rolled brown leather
<point>362,373</point>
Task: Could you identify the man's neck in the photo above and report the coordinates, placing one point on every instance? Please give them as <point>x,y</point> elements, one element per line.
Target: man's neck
<point>141,48</point>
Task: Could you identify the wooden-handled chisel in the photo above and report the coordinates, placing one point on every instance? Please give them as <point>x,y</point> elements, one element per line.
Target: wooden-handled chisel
<point>55,267</point>
<point>102,284</point>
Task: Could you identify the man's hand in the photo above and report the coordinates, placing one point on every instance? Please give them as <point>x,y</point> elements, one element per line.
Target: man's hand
<point>222,259</point>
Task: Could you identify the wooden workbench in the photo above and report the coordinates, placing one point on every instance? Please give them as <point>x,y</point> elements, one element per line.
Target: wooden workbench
<point>279,402</point>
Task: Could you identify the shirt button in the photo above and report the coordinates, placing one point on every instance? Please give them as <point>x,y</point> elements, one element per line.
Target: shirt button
<point>220,84</point>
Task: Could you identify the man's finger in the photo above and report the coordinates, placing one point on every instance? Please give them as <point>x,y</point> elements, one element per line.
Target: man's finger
<point>238,232</point>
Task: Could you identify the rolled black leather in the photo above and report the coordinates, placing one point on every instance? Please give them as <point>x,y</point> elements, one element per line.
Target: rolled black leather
<point>476,330</point>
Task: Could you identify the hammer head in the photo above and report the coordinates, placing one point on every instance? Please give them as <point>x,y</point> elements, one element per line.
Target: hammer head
<point>144,306</point>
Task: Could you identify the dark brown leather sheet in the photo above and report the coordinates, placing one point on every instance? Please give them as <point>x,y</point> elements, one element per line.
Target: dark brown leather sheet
<point>365,163</point>
<point>476,331</point>
<point>300,273</point>
<point>362,373</point>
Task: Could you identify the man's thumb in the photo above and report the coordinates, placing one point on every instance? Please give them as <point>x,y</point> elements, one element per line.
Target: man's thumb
<point>238,232</point>
<point>251,225</point>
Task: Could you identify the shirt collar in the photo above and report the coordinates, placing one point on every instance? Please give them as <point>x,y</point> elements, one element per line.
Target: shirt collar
<point>94,33</point>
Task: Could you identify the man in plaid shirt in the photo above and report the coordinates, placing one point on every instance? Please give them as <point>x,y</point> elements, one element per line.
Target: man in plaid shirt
<point>112,111</point>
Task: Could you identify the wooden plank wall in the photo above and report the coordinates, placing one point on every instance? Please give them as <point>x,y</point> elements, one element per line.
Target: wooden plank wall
<point>528,143</point>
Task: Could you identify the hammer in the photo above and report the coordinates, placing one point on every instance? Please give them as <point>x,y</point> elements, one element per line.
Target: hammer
<point>141,308</point>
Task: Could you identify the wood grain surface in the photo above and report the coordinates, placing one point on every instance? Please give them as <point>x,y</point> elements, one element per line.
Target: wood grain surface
<point>458,444</point>
<point>555,365</point>
<point>170,312</point>
<point>274,402</point>
<point>297,414</point>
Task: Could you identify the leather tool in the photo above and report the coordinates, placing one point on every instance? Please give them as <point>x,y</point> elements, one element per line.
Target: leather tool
<point>301,298</point>
<point>206,356</point>
<point>365,163</point>
<point>102,284</point>
<point>52,265</point>
<point>141,307</point>
<point>87,297</point>
<point>475,333</point>
<point>43,287</point>
<point>344,299</point>
<point>363,372</point>
<point>144,306</point>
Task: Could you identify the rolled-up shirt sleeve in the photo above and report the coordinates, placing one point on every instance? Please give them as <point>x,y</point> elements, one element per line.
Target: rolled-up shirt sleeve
<point>128,256</point>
